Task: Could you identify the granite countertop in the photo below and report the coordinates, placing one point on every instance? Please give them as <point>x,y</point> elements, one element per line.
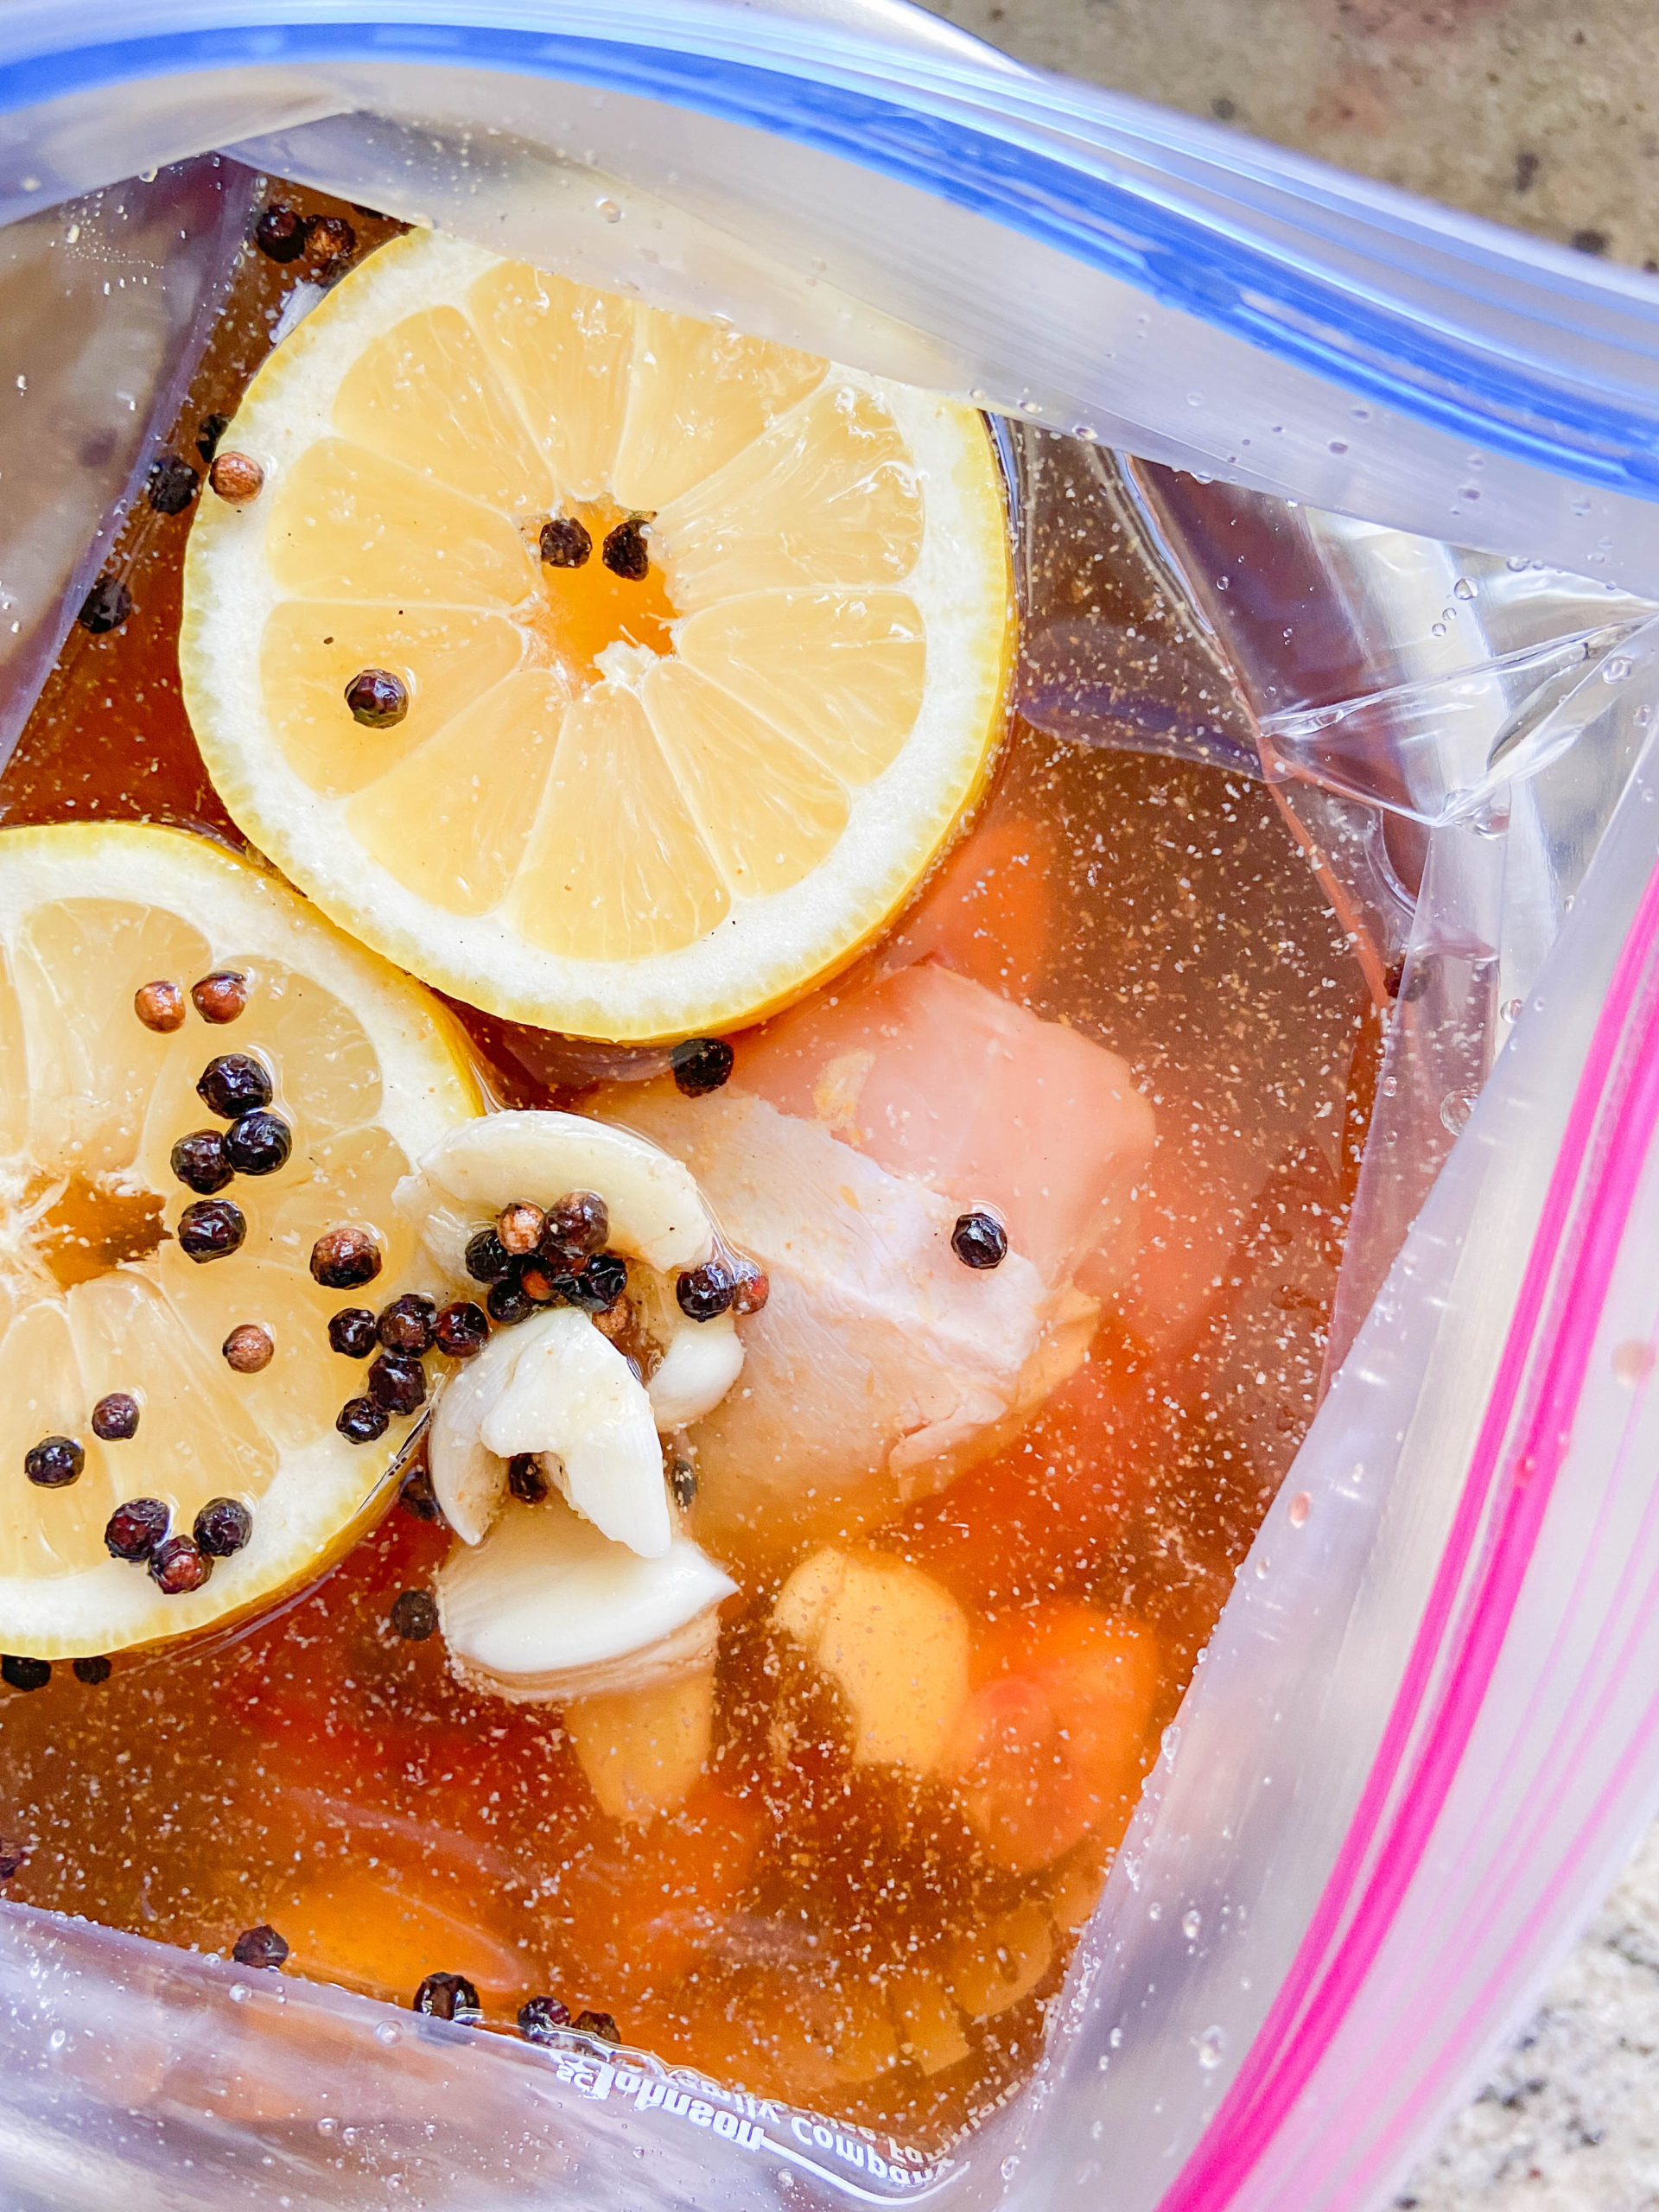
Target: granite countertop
<point>1544,117</point>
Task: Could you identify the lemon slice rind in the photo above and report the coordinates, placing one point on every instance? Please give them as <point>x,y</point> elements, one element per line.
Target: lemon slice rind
<point>325,1492</point>
<point>766,949</point>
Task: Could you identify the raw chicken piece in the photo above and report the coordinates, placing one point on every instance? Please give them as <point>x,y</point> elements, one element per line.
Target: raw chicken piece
<point>839,1155</point>
<point>935,1077</point>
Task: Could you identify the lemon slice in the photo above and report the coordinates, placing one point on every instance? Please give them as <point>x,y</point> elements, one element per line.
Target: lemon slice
<point>98,1297</point>
<point>615,803</point>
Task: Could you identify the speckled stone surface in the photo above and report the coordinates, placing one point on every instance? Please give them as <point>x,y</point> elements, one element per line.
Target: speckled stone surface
<point>1537,113</point>
<point>1543,115</point>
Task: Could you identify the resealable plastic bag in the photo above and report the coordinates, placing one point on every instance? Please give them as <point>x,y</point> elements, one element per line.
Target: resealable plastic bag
<point>1398,469</point>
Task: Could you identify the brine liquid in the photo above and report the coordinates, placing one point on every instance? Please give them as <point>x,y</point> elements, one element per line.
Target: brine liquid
<point>830,1933</point>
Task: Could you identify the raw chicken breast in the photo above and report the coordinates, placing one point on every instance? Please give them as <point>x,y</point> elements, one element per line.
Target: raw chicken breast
<point>936,1078</point>
<point>839,1155</point>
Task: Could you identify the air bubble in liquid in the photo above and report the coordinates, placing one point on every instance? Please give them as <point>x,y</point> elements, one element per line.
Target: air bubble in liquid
<point>1298,1509</point>
<point>240,1993</point>
<point>1455,1109</point>
<point>1192,1921</point>
<point>1211,2043</point>
<point>385,2032</point>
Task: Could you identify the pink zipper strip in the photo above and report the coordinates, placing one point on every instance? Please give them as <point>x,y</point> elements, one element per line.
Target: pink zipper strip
<point>1321,1986</point>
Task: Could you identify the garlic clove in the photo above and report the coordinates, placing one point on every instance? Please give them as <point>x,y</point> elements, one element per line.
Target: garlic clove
<point>547,1610</point>
<point>468,1480</point>
<point>702,1361</point>
<point>894,1642</point>
<point>642,1750</point>
<point>574,1398</point>
<point>657,1214</point>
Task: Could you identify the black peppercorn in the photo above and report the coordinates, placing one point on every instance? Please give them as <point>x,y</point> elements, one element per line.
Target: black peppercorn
<point>751,1286</point>
<point>201,1163</point>
<point>447,1997</point>
<point>351,1331</point>
<point>259,1946</point>
<point>54,1462</point>
<point>682,1481</point>
<point>92,1671</point>
<point>259,1143</point>
<point>487,1258</point>
<point>462,1330</point>
<point>280,234</point>
<point>408,1324</point>
<point>508,1303</point>
<point>397,1383</point>
<point>232,1085</point>
<point>360,1420</point>
<point>706,1292</point>
<point>134,1529</point>
<point>598,2025</point>
<point>577,1226</point>
<point>115,1418</point>
<point>624,553</point>
<point>566,542</point>
<point>414,1615</point>
<point>378,699</point>
<point>172,485</point>
<point>418,1498</point>
<point>343,1258</point>
<point>701,1065</point>
<point>602,1282</point>
<point>105,608</point>
<point>209,431</point>
<point>222,1527</point>
<point>160,1007</point>
<point>979,1239</point>
<point>525,1479</point>
<point>539,2017</point>
<point>212,1229</point>
<point>25,1673</point>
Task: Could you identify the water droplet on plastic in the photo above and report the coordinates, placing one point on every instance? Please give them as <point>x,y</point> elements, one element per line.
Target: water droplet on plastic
<point>1154,1912</point>
<point>1195,399</point>
<point>1455,1109</point>
<point>1437,629</point>
<point>1192,1921</point>
<point>1463,588</point>
<point>1513,1009</point>
<point>1337,446</point>
<point>385,2032</point>
<point>1211,2043</point>
<point>240,1993</point>
<point>325,2125</point>
<point>1616,670</point>
<point>1298,1509</point>
<point>1170,1741</point>
<point>1009,2168</point>
<point>1633,1361</point>
<point>609,210</point>
<point>976,393</point>
<point>1029,407</point>
<point>1116,2038</point>
<point>1088,433</point>
<point>1132,1871</point>
<point>1263,1567</point>
<point>57,2039</point>
<point>1097,2129</point>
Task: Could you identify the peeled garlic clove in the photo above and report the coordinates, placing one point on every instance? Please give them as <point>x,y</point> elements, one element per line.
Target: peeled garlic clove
<point>547,1609</point>
<point>895,1643</point>
<point>468,1480</point>
<point>574,1397</point>
<point>656,1212</point>
<point>643,1751</point>
<point>702,1361</point>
